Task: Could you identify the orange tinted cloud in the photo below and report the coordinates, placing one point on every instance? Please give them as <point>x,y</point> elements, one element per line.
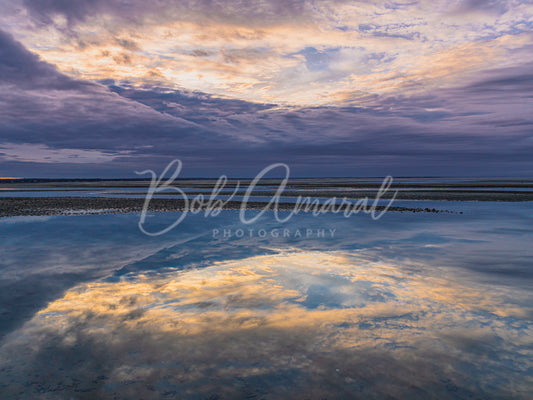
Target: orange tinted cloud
<point>308,54</point>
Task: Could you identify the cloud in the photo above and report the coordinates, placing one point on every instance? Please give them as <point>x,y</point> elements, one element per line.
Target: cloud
<point>38,153</point>
<point>423,114</point>
<point>77,121</point>
<point>262,13</point>
<point>497,7</point>
<point>262,53</point>
<point>25,70</point>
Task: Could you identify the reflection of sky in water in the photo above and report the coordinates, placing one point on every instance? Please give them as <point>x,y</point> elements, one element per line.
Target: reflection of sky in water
<point>411,306</point>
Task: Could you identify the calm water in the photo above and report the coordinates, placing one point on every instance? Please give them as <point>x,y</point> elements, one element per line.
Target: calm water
<point>415,306</point>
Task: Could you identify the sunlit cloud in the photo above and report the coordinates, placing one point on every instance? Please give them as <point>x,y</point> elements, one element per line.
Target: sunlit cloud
<point>299,54</point>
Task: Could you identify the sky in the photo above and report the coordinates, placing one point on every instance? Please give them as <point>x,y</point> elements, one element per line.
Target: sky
<point>104,88</point>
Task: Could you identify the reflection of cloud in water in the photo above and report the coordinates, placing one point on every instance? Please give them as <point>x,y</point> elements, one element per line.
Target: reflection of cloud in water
<point>294,325</point>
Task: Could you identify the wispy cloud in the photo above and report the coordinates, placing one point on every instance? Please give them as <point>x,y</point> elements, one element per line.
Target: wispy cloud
<point>269,52</point>
<point>38,153</point>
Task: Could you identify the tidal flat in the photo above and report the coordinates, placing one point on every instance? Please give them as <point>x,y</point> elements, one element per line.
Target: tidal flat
<point>420,305</point>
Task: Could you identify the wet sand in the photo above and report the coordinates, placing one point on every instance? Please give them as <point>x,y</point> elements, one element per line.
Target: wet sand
<point>39,206</point>
<point>422,195</point>
<point>107,196</point>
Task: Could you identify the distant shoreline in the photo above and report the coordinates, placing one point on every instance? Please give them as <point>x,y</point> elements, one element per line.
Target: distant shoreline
<point>293,183</point>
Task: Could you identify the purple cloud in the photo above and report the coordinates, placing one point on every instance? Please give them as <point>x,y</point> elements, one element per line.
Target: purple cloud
<point>482,127</point>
